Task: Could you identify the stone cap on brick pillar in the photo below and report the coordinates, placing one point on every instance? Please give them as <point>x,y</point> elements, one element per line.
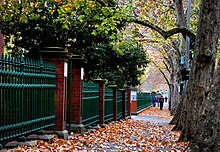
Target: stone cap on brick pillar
<point>127,88</point>
<point>100,81</point>
<point>77,60</point>
<point>122,90</point>
<point>133,88</point>
<point>112,86</point>
<point>57,53</point>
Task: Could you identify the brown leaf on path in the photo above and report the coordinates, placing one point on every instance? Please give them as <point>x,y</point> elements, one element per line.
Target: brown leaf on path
<point>165,113</point>
<point>126,135</point>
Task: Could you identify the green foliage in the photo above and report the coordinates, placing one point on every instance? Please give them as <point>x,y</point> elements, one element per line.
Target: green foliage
<point>118,68</point>
<point>32,24</point>
<point>38,23</point>
<point>87,27</point>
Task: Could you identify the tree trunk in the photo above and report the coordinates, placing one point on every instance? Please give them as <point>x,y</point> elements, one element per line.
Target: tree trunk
<point>175,98</point>
<point>171,92</point>
<point>198,116</point>
<point>181,21</point>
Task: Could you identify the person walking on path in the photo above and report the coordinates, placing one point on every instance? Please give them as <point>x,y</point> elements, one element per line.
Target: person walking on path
<point>161,101</point>
<point>158,101</point>
<point>165,99</point>
<point>154,100</point>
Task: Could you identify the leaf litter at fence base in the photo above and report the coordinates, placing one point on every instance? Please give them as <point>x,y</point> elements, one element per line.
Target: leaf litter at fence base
<point>127,135</point>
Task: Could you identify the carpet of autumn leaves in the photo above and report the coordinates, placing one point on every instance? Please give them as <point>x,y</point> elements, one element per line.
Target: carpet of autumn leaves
<point>126,135</point>
<point>154,111</point>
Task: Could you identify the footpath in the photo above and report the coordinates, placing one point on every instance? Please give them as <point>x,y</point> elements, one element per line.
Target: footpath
<point>147,132</point>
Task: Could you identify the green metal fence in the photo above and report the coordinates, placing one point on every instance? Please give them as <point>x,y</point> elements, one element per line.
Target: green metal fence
<point>126,103</point>
<point>108,105</point>
<point>90,110</point>
<point>144,100</point>
<point>27,93</point>
<point>119,105</point>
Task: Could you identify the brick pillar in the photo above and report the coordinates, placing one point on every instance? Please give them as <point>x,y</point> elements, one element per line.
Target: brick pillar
<point>76,95</point>
<point>115,111</point>
<point>129,101</point>
<point>60,58</point>
<point>134,101</point>
<point>123,103</point>
<point>101,83</point>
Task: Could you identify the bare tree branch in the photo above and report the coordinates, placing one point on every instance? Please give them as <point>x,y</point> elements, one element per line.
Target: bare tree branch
<point>175,51</point>
<point>168,82</point>
<point>176,48</point>
<point>184,31</point>
<point>169,58</point>
<point>106,3</point>
<point>167,62</point>
<point>101,2</point>
<point>167,68</point>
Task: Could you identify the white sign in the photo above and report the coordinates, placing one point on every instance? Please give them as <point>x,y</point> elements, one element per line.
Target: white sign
<point>133,95</point>
<point>82,73</point>
<point>65,69</point>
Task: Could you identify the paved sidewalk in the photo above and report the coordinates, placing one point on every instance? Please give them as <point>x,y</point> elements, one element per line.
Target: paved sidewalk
<point>159,119</point>
<point>147,132</point>
<point>154,120</point>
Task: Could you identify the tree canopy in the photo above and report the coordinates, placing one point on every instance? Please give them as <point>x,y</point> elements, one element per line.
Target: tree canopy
<point>88,28</point>
<point>92,28</point>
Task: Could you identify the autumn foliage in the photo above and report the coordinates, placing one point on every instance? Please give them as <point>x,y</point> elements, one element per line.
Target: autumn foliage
<point>126,135</point>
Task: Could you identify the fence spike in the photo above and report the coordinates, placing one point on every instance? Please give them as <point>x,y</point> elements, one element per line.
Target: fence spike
<point>38,62</point>
<point>12,58</point>
<point>45,64</point>
<point>15,59</point>
<point>51,65</point>
<point>41,61</point>
<point>21,57</point>
<point>34,62</point>
<point>2,57</point>
<point>29,61</point>
<point>6,57</point>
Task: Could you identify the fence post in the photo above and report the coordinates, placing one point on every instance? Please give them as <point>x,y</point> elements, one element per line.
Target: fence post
<point>114,88</point>
<point>101,83</point>
<point>59,57</point>
<point>129,101</point>
<point>134,101</point>
<point>76,85</point>
<point>123,103</point>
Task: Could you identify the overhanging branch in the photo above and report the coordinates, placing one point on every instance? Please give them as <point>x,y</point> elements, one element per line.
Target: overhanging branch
<point>105,3</point>
<point>168,82</point>
<point>101,2</point>
<point>164,33</point>
<point>167,67</point>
